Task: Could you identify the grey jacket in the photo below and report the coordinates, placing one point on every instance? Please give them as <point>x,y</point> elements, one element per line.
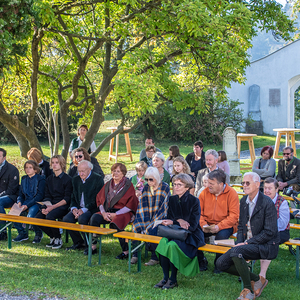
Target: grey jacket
<point>267,171</point>
<point>289,173</point>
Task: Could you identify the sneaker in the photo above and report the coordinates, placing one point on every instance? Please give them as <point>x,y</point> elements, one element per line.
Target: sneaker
<point>21,238</point>
<point>259,285</point>
<point>50,245</point>
<point>152,262</point>
<point>37,239</point>
<point>134,260</point>
<point>57,243</point>
<point>203,264</point>
<point>3,236</point>
<point>246,294</point>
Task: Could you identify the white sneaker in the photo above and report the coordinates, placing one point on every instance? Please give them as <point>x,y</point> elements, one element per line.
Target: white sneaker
<point>50,245</point>
<point>57,243</point>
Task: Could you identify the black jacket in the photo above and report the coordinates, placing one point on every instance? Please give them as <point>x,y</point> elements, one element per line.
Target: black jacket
<point>189,158</point>
<point>263,225</point>
<point>187,208</point>
<point>9,181</point>
<point>289,173</point>
<point>96,169</point>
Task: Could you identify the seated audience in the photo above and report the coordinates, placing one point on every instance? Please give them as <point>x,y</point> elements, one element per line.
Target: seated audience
<point>76,142</point>
<point>223,163</point>
<point>196,159</point>
<point>257,237</point>
<point>150,150</point>
<point>36,155</point>
<point>58,192</point>
<point>211,159</point>
<point>138,180</point>
<point>289,170</point>
<point>86,186</point>
<point>148,142</point>
<point>153,206</point>
<point>80,154</point>
<point>9,187</point>
<point>180,166</point>
<point>158,161</point>
<point>220,209</point>
<point>283,218</point>
<point>32,190</point>
<point>265,166</point>
<point>117,204</point>
<point>183,210</point>
<point>173,153</point>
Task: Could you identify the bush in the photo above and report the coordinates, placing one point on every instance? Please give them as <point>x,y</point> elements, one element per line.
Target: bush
<point>207,125</point>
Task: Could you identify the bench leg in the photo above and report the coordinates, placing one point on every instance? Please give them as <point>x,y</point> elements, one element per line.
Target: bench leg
<point>129,256</point>
<point>9,235</point>
<point>90,250</point>
<point>297,262</point>
<point>100,247</point>
<point>139,264</point>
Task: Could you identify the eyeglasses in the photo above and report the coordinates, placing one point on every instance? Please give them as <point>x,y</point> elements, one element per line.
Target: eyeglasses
<point>177,184</point>
<point>287,153</point>
<point>78,156</point>
<point>247,183</point>
<point>149,179</point>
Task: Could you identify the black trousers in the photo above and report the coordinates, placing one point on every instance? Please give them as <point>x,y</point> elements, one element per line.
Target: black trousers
<point>97,220</point>
<point>84,220</point>
<point>57,213</point>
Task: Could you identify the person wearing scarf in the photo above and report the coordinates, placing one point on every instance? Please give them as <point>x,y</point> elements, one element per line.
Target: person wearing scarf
<point>117,204</point>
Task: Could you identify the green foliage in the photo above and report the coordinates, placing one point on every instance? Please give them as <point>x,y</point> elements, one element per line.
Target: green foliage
<point>189,126</point>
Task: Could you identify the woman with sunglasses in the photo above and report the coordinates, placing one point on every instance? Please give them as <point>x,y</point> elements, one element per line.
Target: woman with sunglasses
<point>184,210</point>
<point>265,166</point>
<point>152,207</point>
<point>80,154</point>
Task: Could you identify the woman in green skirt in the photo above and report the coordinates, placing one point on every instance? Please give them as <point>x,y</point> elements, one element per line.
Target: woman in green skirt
<point>183,210</point>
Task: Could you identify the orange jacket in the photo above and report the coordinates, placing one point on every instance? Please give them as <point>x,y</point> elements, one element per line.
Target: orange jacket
<point>222,210</point>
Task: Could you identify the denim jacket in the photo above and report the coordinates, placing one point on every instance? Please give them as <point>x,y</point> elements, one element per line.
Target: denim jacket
<point>36,194</point>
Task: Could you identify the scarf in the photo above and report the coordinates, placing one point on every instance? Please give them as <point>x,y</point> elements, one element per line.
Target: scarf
<point>114,189</point>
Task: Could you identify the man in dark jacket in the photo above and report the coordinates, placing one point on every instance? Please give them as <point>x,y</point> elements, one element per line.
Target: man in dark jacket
<point>86,186</point>
<point>9,187</point>
<point>289,170</point>
<point>257,237</point>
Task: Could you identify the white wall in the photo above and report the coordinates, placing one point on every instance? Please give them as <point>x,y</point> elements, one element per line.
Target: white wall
<point>279,70</point>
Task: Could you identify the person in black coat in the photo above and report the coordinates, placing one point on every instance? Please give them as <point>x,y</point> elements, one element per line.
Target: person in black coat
<point>80,154</point>
<point>196,159</point>
<point>184,210</point>
<point>257,237</point>
<point>9,187</point>
<point>86,186</point>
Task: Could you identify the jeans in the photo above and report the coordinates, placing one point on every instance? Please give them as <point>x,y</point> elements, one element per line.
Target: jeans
<point>5,202</point>
<point>32,211</point>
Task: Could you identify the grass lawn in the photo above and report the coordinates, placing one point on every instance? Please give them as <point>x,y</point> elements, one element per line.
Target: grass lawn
<point>28,268</point>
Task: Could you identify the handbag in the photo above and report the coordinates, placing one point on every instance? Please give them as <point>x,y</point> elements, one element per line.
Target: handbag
<point>173,232</point>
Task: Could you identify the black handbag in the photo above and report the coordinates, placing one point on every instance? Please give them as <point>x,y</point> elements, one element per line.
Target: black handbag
<point>172,232</point>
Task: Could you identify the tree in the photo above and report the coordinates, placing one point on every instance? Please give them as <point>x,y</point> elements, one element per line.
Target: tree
<point>136,55</point>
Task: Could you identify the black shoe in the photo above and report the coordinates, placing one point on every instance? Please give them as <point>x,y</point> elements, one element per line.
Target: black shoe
<point>21,238</point>
<point>86,251</point>
<point>3,236</point>
<point>160,284</point>
<point>169,285</point>
<point>122,256</point>
<point>57,243</point>
<point>203,264</point>
<point>76,246</point>
<point>37,239</point>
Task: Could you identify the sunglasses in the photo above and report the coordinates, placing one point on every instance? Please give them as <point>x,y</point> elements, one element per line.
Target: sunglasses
<point>246,183</point>
<point>78,156</point>
<point>287,153</point>
<point>149,179</point>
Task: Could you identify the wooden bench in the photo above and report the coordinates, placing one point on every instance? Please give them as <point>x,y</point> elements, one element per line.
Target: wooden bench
<point>145,238</point>
<point>10,219</point>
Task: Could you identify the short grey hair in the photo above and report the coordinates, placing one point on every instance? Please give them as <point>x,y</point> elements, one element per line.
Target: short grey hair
<point>185,179</point>
<point>288,148</point>
<point>153,172</point>
<point>159,155</point>
<point>212,152</point>
<point>89,164</point>
<point>255,176</point>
